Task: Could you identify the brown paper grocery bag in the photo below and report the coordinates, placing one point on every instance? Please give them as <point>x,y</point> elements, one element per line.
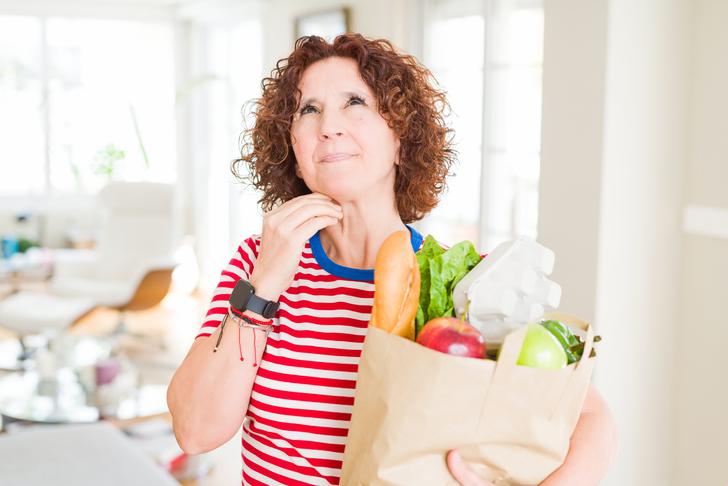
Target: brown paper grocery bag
<point>413,405</point>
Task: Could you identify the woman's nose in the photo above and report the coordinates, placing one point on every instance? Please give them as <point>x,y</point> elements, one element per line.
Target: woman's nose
<point>330,127</point>
<point>331,133</point>
<point>325,135</point>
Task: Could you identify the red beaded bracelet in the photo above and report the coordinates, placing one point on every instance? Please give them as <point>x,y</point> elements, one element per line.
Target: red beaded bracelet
<point>251,320</point>
<point>245,321</point>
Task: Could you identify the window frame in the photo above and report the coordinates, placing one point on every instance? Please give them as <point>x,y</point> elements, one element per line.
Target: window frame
<point>488,9</point>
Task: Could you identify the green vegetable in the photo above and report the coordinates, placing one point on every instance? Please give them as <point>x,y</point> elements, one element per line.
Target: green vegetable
<point>440,271</point>
<point>429,250</point>
<point>572,344</point>
<point>564,335</point>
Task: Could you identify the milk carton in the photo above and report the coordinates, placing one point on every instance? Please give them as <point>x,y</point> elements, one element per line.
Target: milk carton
<point>508,289</point>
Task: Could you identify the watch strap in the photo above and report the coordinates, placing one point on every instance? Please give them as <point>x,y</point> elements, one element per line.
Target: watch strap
<point>266,308</point>
<point>243,297</point>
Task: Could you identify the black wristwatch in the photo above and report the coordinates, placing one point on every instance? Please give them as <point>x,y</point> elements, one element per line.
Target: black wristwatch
<point>243,297</point>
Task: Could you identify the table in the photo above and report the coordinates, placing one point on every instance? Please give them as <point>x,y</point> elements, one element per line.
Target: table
<point>82,455</point>
<point>26,397</point>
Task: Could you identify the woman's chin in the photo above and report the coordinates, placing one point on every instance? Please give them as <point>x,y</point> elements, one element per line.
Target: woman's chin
<point>340,193</point>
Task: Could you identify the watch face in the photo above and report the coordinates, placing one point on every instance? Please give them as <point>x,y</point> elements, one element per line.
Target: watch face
<point>241,295</point>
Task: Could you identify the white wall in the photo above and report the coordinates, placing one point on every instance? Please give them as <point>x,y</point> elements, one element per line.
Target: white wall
<point>615,141</point>
<point>645,150</point>
<point>702,397</point>
<point>574,65</point>
<point>143,10</point>
<point>397,20</point>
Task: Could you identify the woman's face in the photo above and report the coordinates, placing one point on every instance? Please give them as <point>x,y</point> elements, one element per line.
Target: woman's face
<point>343,146</point>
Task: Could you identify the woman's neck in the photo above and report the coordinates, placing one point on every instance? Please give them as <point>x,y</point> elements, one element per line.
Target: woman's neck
<point>354,241</point>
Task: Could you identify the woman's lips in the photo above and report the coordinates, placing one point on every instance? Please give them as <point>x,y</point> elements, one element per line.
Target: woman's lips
<point>336,157</point>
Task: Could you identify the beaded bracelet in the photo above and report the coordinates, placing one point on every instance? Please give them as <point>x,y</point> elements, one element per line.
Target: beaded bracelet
<point>247,321</point>
<point>244,321</point>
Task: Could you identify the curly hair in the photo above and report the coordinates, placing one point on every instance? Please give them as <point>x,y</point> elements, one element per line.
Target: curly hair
<point>412,107</point>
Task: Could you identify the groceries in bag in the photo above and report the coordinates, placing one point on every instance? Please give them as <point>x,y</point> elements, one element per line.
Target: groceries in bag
<point>413,404</point>
<point>501,293</point>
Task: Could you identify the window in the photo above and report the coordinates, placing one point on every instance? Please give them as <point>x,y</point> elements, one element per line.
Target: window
<point>226,68</point>
<point>487,56</point>
<point>454,53</point>
<point>513,135</point>
<point>22,134</point>
<point>90,100</point>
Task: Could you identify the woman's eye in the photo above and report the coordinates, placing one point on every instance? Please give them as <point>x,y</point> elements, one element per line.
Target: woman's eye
<point>355,100</point>
<point>307,109</point>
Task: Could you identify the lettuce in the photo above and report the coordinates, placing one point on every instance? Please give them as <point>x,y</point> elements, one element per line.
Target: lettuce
<point>440,271</point>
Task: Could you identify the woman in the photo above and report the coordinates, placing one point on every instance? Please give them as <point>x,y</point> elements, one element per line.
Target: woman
<point>349,145</point>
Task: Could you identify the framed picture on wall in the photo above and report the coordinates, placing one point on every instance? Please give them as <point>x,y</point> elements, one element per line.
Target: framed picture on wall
<point>326,23</point>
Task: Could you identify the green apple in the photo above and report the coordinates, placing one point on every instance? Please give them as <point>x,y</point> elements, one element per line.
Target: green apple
<point>541,349</point>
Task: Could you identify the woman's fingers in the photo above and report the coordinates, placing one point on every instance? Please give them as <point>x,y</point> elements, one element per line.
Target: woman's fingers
<point>285,209</point>
<point>310,227</point>
<point>285,231</point>
<point>462,472</point>
<point>305,213</point>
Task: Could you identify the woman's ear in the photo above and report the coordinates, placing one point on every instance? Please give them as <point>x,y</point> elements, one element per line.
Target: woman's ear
<point>298,172</point>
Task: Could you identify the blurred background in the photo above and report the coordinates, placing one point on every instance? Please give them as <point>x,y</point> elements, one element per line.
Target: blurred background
<point>597,127</point>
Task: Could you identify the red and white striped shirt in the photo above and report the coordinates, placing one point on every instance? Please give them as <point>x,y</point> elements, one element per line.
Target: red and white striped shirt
<point>300,408</point>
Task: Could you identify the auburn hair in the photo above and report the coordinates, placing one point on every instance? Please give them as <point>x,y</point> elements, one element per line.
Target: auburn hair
<point>406,98</point>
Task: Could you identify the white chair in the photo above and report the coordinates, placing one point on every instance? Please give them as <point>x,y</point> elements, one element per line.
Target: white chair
<point>137,238</point>
<point>131,268</point>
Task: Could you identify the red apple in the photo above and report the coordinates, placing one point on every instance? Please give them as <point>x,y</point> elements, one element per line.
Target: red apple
<point>452,336</point>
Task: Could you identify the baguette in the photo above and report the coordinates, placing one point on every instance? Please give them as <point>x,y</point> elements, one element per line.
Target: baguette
<point>396,286</point>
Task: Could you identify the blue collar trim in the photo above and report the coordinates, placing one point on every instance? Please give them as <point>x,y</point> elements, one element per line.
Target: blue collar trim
<point>350,273</point>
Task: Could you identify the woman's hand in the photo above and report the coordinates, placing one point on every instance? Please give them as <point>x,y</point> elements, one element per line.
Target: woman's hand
<point>285,232</point>
<point>462,472</point>
<point>592,449</point>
